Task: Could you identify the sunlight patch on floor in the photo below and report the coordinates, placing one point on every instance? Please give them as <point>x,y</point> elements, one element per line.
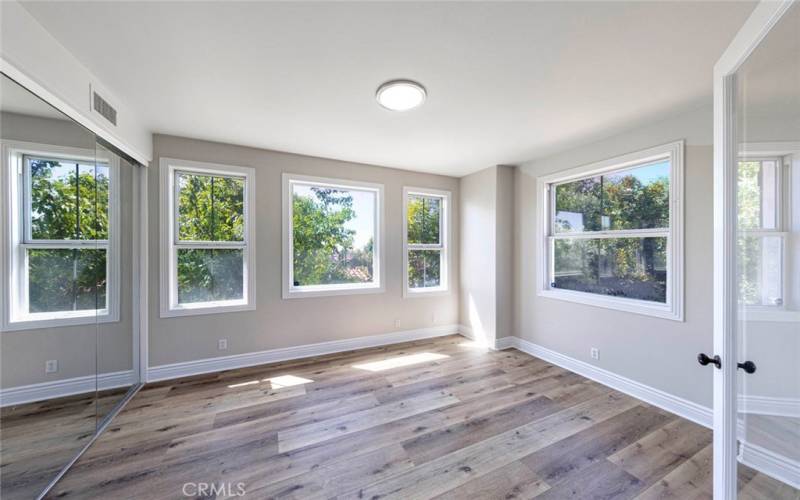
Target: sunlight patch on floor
<point>399,361</point>
<point>286,381</point>
<point>276,382</point>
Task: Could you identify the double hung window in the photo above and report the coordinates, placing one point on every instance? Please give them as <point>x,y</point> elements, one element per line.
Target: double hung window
<point>425,241</point>
<point>612,233</point>
<point>61,250</point>
<point>208,238</point>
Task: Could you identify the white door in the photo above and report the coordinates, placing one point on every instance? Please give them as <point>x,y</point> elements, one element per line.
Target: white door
<point>757,258</point>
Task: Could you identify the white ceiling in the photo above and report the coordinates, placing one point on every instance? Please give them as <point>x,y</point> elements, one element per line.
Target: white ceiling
<point>507,82</point>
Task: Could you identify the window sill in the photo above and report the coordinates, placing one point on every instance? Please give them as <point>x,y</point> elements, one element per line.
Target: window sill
<point>51,320</point>
<point>419,293</point>
<point>326,291</point>
<point>642,307</point>
<point>203,308</point>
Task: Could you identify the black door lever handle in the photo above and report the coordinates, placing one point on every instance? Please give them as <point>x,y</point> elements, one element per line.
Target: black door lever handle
<point>704,360</point>
<point>747,366</point>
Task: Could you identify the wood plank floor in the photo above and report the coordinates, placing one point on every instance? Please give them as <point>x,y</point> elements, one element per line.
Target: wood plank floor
<point>438,418</point>
<point>38,439</point>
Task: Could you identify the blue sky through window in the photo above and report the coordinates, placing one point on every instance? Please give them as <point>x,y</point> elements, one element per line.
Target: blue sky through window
<point>364,207</point>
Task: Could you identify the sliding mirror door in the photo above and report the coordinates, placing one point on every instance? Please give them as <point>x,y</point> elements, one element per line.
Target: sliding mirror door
<point>52,281</point>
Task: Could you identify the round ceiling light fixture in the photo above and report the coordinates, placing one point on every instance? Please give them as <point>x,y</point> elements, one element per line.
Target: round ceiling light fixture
<point>401,95</point>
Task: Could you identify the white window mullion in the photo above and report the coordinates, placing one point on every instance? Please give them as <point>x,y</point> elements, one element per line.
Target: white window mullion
<point>635,233</point>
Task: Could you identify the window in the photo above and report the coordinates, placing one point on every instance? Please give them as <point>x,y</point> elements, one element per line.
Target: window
<point>332,235</point>
<point>61,255</point>
<point>611,233</point>
<point>208,235</point>
<point>762,235</point>
<point>425,241</point>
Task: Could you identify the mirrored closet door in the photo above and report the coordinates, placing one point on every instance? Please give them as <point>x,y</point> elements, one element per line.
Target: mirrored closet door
<point>68,289</point>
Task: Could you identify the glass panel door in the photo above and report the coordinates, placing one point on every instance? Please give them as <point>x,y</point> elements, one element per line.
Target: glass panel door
<point>767,264</point>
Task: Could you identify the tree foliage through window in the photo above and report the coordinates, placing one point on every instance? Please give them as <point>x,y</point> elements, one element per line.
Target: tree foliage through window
<point>424,222</point>
<point>332,235</point>
<point>69,201</point>
<point>627,266</point>
<point>210,234</point>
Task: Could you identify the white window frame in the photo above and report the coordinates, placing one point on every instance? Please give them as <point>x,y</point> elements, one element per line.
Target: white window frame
<point>674,307</point>
<point>15,210</point>
<point>788,154</point>
<point>292,292</point>
<point>168,276</point>
<point>443,246</point>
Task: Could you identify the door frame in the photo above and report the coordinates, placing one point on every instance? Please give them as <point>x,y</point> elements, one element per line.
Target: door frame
<point>763,18</point>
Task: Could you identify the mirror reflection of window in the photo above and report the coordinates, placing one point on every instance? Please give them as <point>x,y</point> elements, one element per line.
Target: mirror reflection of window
<point>763,237</point>
<point>56,206</point>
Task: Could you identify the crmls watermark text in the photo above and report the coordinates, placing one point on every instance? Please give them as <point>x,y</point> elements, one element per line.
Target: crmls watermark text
<point>213,490</point>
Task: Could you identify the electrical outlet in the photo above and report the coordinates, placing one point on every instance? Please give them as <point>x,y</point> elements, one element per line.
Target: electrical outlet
<point>595,353</point>
<point>397,323</point>
<point>433,318</point>
<point>51,366</point>
<point>222,344</point>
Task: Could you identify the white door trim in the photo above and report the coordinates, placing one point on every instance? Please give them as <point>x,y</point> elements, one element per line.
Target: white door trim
<point>141,290</point>
<point>763,18</point>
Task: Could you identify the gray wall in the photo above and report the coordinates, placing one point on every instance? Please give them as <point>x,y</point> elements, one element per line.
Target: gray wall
<point>486,295</point>
<point>504,250</point>
<point>477,295</point>
<point>80,350</point>
<point>277,322</point>
<point>657,352</point>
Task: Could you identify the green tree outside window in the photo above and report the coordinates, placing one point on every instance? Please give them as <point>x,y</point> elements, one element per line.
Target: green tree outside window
<point>69,201</point>
<point>325,234</point>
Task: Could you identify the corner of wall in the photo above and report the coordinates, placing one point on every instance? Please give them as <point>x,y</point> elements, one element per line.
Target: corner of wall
<point>487,241</point>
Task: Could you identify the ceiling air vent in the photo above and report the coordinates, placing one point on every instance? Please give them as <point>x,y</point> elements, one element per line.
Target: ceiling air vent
<point>104,109</point>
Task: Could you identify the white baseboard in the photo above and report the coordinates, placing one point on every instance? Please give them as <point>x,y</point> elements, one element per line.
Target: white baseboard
<point>505,343</point>
<point>687,409</point>
<point>66,387</point>
<point>770,463</point>
<point>782,407</point>
<point>496,345</point>
<point>763,460</point>
<point>210,365</point>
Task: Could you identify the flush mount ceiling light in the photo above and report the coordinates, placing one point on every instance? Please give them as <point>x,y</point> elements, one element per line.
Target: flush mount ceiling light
<point>400,95</point>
